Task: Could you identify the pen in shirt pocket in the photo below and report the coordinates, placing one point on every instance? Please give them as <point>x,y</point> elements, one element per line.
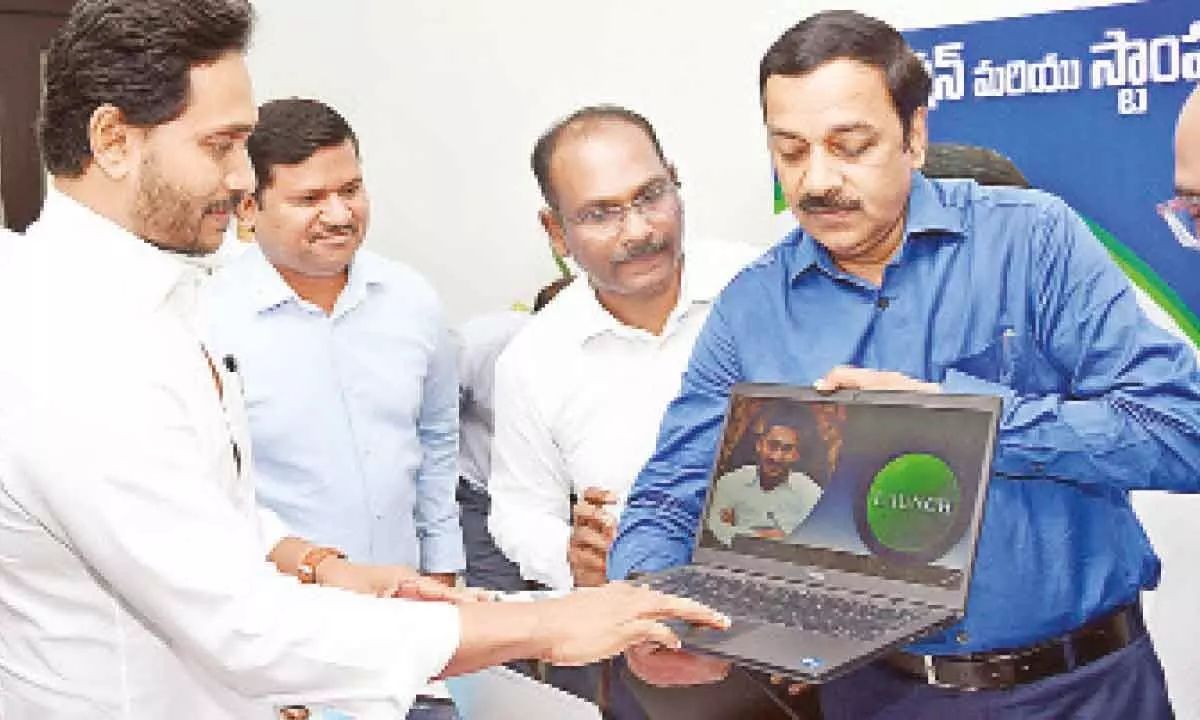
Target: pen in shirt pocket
<point>231,365</point>
<point>1008,336</point>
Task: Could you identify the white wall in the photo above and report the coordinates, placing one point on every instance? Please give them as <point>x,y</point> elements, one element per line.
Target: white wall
<point>449,97</point>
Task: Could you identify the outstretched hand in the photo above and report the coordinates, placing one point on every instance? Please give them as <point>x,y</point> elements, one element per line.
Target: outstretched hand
<point>592,624</point>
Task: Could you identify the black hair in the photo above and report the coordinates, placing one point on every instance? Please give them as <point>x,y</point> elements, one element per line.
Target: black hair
<point>547,293</point>
<point>846,34</point>
<point>783,414</point>
<point>543,149</point>
<point>291,131</point>
<point>135,55</point>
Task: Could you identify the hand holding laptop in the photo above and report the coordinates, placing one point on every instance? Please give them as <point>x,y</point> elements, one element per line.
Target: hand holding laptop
<point>667,667</point>
<point>847,377</point>
<point>592,532</point>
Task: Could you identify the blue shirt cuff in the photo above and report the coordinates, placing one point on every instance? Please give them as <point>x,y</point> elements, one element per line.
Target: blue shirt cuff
<point>442,555</point>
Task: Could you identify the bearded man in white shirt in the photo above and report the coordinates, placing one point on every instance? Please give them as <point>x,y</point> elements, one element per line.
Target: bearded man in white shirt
<point>137,576</point>
<point>581,390</point>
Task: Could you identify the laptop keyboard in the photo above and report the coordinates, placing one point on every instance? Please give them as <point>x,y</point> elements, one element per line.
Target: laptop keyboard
<point>803,608</point>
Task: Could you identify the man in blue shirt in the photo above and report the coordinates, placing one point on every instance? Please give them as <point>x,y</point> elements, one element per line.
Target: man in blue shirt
<point>896,282</point>
<point>349,372</point>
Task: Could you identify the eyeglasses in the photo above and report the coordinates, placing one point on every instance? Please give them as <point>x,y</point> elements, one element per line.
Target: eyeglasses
<point>654,202</point>
<point>1181,214</point>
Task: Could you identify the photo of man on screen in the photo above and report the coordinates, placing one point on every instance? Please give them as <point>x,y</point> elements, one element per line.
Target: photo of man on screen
<point>769,498</point>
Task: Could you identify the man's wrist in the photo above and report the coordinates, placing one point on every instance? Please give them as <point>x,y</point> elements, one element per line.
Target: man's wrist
<point>310,564</point>
<point>540,635</point>
<point>328,570</point>
<point>449,579</point>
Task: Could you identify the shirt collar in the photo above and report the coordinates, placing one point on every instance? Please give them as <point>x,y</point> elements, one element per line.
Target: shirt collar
<point>699,284</point>
<point>927,216</point>
<point>148,275</point>
<point>271,290</point>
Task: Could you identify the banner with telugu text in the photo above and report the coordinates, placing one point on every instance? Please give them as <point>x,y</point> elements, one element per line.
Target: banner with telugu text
<point>1084,102</point>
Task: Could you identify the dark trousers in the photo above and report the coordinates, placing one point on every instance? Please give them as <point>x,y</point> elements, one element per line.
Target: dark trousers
<point>1123,685</point>
<point>743,695</point>
<point>432,709</point>
<point>487,567</point>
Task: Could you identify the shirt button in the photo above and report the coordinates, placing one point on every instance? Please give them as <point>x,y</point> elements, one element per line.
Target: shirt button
<point>882,303</point>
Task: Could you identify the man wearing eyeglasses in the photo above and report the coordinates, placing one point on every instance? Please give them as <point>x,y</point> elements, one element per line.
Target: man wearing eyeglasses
<point>1182,212</point>
<point>1170,609</point>
<point>579,392</point>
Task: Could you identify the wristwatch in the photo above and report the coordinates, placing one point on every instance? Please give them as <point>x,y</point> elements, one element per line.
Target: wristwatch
<point>307,571</point>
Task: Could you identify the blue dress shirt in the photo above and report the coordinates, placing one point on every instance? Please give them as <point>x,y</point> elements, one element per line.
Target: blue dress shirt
<point>353,415</point>
<point>995,291</point>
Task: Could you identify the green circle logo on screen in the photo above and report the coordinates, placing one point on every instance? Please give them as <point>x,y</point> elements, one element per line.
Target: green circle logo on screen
<point>912,506</point>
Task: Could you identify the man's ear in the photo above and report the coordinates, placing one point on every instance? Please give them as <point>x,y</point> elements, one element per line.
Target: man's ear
<point>115,144</point>
<point>918,137</point>
<point>248,207</point>
<point>246,216</point>
<point>554,231</point>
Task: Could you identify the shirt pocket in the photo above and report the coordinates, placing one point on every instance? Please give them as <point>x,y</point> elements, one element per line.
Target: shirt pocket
<point>1010,358</point>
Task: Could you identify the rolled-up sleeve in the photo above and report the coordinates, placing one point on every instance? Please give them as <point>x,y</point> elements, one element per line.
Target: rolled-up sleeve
<point>436,514</point>
<point>1130,417</point>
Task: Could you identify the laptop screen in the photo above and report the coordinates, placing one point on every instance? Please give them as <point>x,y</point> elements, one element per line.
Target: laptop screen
<point>882,489</point>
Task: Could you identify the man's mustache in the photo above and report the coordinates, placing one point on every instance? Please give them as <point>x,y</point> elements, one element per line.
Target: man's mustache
<point>827,202</point>
<point>335,231</point>
<point>652,246</point>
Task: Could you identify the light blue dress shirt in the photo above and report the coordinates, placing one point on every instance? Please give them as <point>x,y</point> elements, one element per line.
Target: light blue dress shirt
<point>353,415</point>
<point>995,291</point>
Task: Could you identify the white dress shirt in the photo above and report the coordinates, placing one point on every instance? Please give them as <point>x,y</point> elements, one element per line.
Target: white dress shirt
<point>579,398</point>
<point>480,342</point>
<point>232,247</point>
<point>782,508</point>
<point>133,577</point>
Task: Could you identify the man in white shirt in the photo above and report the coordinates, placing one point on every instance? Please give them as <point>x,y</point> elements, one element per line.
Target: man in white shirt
<point>769,498</point>
<point>137,577</point>
<point>580,392</point>
<point>480,341</point>
<point>1170,609</point>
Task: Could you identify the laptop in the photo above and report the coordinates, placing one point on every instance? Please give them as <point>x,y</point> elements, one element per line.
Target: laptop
<point>837,527</point>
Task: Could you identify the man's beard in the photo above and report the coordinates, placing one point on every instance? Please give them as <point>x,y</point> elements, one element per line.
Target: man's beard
<point>769,482</point>
<point>169,218</point>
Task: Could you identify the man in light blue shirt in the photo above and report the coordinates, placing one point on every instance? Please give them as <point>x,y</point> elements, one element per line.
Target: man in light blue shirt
<point>349,375</point>
<point>350,379</point>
